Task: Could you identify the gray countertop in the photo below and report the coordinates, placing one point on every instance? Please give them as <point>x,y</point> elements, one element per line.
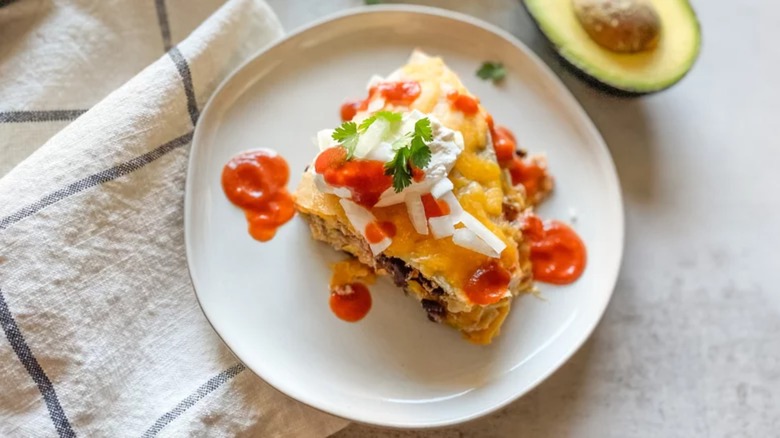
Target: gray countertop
<point>690,344</point>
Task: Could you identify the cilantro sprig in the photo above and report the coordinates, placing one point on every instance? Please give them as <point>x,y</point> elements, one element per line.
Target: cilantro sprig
<point>494,71</point>
<point>348,134</point>
<point>410,150</point>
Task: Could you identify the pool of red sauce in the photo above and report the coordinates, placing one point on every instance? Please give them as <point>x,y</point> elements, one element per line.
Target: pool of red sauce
<point>256,182</point>
<point>351,307</point>
<point>488,284</point>
<point>401,93</point>
<point>558,255</point>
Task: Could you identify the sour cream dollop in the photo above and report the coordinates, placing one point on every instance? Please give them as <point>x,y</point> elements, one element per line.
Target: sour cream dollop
<point>377,144</point>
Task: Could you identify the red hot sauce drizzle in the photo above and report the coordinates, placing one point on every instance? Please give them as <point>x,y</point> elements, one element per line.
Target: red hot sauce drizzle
<point>417,174</point>
<point>400,93</point>
<point>558,255</point>
<point>377,231</point>
<point>463,102</point>
<point>256,182</point>
<point>522,170</point>
<point>350,108</point>
<point>488,284</point>
<point>434,207</point>
<point>528,173</point>
<point>503,142</point>
<point>365,179</point>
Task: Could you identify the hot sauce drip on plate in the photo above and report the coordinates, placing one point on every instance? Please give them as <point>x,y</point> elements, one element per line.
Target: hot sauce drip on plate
<point>558,255</point>
<point>350,302</point>
<point>400,93</point>
<point>350,299</point>
<point>366,179</point>
<point>255,181</point>
<point>488,284</point>
<point>464,103</point>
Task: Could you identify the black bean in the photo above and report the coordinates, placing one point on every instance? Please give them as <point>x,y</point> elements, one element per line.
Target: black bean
<point>430,286</point>
<point>396,267</point>
<point>434,309</point>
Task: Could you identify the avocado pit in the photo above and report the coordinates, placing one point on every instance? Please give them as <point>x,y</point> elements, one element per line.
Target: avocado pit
<point>622,26</point>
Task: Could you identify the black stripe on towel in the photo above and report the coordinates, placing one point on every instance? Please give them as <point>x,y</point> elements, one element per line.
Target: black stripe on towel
<point>94,180</point>
<point>210,386</point>
<point>186,79</point>
<point>40,116</point>
<point>162,19</point>
<point>40,378</point>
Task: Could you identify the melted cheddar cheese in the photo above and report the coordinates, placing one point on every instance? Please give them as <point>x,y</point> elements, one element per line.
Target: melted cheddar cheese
<point>476,177</point>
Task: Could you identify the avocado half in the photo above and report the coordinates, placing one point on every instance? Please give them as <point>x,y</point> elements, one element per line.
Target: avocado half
<point>637,73</point>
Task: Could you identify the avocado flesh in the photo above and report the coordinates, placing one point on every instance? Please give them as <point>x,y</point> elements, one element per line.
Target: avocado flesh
<point>643,72</point>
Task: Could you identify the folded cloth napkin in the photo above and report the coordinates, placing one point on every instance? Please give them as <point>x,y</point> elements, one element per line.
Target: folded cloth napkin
<point>101,333</point>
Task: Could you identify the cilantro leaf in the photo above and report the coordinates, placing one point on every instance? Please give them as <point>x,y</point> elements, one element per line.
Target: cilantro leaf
<point>402,141</point>
<point>398,167</point>
<point>410,150</point>
<point>387,115</point>
<point>423,129</point>
<point>494,71</point>
<point>419,153</point>
<point>347,135</point>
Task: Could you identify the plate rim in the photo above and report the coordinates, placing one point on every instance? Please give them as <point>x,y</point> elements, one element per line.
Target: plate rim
<point>562,90</point>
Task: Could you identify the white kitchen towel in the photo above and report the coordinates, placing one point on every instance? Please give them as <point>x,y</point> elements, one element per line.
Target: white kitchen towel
<point>101,332</point>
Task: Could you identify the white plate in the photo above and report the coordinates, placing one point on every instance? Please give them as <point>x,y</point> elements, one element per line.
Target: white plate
<point>269,301</point>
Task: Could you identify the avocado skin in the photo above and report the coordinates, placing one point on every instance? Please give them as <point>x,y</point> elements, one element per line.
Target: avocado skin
<point>597,84</point>
<point>593,81</point>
